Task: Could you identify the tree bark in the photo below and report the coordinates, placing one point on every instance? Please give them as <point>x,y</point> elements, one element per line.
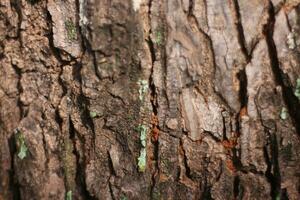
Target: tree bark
<point>149,99</point>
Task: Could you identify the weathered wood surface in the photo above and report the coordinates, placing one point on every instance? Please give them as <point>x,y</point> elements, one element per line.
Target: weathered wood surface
<point>213,83</point>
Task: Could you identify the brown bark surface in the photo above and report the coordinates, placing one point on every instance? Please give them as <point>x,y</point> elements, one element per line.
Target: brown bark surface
<point>204,91</point>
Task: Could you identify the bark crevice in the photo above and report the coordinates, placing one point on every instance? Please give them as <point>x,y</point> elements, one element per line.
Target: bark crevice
<point>273,173</point>
<point>153,100</point>
<point>281,79</point>
<point>13,181</point>
<point>236,187</point>
<point>240,31</point>
<point>185,161</point>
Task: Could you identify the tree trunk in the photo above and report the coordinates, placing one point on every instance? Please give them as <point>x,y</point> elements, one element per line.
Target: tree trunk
<point>149,99</point>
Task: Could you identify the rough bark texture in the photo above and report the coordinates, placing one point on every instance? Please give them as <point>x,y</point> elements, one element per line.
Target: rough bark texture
<point>204,91</point>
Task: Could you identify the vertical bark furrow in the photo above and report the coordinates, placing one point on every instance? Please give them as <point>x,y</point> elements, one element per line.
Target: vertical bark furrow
<point>273,172</point>
<point>12,188</point>
<point>241,75</point>
<point>290,99</point>
<point>240,29</point>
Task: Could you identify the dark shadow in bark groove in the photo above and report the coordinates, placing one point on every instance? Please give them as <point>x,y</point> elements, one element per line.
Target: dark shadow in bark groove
<point>191,7</point>
<point>111,191</point>
<point>185,160</point>
<point>238,189</point>
<point>243,88</point>
<point>240,30</point>
<point>290,99</point>
<point>236,185</point>
<point>17,5</point>
<point>236,159</point>
<point>153,100</point>
<point>14,185</point>
<point>224,127</point>
<point>284,195</point>
<point>242,77</point>
<point>80,175</point>
<point>83,103</point>
<point>58,119</point>
<point>206,192</point>
<point>273,171</point>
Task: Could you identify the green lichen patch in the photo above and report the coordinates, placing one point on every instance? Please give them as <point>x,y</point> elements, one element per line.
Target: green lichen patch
<point>71,30</point>
<point>284,113</point>
<point>143,84</point>
<point>158,37</point>
<point>21,145</point>
<point>297,90</point>
<point>143,134</point>
<point>142,160</point>
<point>156,195</point>
<point>93,114</point>
<point>123,198</point>
<point>291,41</point>
<point>69,195</point>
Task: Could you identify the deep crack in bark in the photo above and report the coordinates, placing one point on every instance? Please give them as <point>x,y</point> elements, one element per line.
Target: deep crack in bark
<point>13,181</point>
<point>185,161</point>
<point>290,99</point>
<point>273,173</point>
<point>153,100</point>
